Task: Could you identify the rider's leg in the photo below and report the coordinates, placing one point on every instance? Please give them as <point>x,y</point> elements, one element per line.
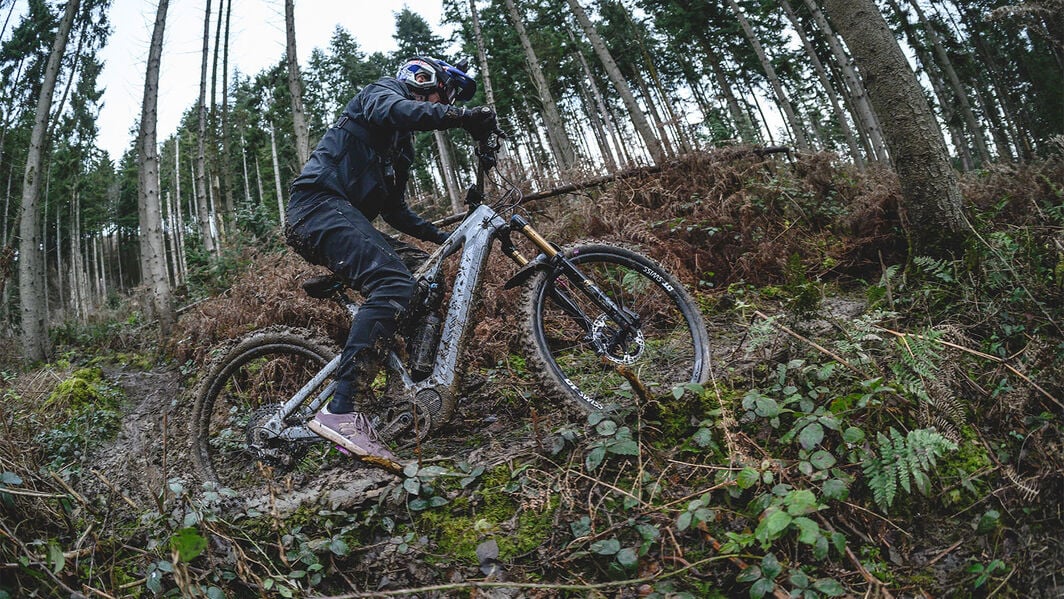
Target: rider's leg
<point>334,234</point>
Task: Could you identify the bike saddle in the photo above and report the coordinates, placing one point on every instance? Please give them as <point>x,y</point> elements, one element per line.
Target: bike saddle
<point>322,286</point>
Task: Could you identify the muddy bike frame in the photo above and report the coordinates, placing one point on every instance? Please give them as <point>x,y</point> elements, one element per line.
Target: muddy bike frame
<point>435,395</point>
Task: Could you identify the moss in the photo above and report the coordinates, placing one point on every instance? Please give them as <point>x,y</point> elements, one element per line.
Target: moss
<point>491,512</point>
<point>960,469</point>
<point>84,387</point>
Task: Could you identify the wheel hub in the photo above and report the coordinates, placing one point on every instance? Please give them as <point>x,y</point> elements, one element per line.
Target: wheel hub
<point>627,352</point>
<point>265,445</point>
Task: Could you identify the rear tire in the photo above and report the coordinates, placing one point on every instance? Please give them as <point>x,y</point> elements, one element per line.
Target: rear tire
<point>244,384</point>
<point>670,349</point>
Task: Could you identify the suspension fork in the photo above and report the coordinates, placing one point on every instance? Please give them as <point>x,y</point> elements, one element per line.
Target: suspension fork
<point>563,266</point>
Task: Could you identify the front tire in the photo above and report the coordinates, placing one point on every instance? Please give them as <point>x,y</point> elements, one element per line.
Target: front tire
<point>244,385</point>
<point>670,348</point>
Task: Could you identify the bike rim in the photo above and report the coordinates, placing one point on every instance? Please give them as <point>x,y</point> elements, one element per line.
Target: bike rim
<point>667,351</point>
<point>248,389</point>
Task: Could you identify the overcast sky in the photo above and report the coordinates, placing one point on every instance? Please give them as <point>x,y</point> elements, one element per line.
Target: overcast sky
<point>257,40</point>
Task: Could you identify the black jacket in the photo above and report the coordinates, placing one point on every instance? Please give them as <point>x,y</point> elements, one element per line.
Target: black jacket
<point>366,156</point>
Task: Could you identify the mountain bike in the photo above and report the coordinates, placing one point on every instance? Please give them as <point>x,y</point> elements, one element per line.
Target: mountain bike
<point>602,324</point>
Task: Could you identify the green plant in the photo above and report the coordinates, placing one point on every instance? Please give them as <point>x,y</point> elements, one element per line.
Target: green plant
<point>898,459</point>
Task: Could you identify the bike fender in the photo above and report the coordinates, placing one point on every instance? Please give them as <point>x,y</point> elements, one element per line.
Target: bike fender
<point>522,276</point>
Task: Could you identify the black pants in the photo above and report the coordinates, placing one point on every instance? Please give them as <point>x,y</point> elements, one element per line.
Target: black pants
<point>327,230</point>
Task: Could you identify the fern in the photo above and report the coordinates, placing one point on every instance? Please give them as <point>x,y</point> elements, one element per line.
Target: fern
<point>943,270</point>
<point>903,461</point>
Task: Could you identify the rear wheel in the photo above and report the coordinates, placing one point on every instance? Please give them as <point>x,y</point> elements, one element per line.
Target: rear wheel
<point>245,385</point>
<point>576,342</point>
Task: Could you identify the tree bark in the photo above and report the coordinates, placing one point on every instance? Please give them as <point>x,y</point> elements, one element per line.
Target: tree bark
<point>482,57</point>
<point>202,207</point>
<point>797,129</point>
<point>932,210</point>
<point>152,244</point>
<point>295,85</point>
<point>639,119</point>
<point>864,110</point>
<point>31,259</point>
<point>829,89</point>
<point>277,177</point>
<point>561,146</point>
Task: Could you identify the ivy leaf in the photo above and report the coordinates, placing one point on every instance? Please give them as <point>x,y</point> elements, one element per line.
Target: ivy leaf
<point>770,566</point>
<point>747,478</point>
<point>606,547</point>
<point>606,428</point>
<point>822,460</point>
<point>10,478</point>
<point>770,527</point>
<point>627,557</point>
<point>627,447</point>
<point>684,521</point>
<point>829,586</point>
<point>761,588</point>
<point>339,547</point>
<point>412,486</point>
<point>834,488</point>
<point>595,457</point>
<point>853,435</point>
<point>188,543</point>
<point>811,436</point>
<point>749,574</point>
<point>766,407</point>
<point>808,530</point>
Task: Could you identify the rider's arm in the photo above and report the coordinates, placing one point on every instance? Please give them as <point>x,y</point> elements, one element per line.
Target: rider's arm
<point>383,105</point>
<point>399,215</point>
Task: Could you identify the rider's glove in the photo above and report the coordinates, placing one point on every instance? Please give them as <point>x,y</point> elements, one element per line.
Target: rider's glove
<point>479,121</point>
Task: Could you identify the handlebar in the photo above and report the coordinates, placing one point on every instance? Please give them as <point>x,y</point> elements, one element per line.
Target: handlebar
<point>487,150</point>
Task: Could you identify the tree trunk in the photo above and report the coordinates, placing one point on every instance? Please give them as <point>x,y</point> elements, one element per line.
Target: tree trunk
<point>865,112</point>
<point>829,89</point>
<point>639,119</point>
<point>932,210</point>
<point>295,86</point>
<point>152,244</point>
<point>561,146</point>
<point>31,259</point>
<point>202,208</point>
<point>961,95</point>
<point>482,57</point>
<point>227,178</point>
<point>443,146</point>
<point>797,130</point>
<point>277,176</point>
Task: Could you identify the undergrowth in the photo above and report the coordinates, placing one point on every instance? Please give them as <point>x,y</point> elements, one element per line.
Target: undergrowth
<point>876,424</point>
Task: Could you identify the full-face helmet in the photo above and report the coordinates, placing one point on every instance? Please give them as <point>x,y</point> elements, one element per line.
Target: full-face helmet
<point>424,75</point>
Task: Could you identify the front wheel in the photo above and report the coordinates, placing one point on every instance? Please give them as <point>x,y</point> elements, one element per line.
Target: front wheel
<point>244,386</point>
<point>576,342</point>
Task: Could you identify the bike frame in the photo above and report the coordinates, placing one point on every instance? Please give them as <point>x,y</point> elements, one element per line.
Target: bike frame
<point>474,237</point>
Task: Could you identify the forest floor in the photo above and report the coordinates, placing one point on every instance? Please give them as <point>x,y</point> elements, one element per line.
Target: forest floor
<point>758,484</point>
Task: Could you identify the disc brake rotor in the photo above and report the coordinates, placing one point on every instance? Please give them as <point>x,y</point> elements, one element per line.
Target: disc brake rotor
<point>603,331</point>
<point>265,445</point>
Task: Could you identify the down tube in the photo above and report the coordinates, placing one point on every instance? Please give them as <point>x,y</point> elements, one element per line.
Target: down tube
<point>478,241</point>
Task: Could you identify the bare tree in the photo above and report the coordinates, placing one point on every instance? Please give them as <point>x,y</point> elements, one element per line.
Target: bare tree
<point>203,211</point>
<point>295,85</point>
<point>561,146</point>
<point>639,120</point>
<point>31,256</point>
<point>934,219</point>
<point>152,244</point>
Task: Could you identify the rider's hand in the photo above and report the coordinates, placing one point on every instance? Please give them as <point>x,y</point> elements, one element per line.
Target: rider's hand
<point>479,121</point>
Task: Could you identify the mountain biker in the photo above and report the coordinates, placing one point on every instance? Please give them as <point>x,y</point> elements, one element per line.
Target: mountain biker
<point>359,171</point>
